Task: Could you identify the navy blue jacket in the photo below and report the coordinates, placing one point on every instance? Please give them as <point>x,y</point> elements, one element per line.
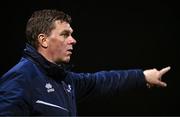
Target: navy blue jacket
<point>37,87</point>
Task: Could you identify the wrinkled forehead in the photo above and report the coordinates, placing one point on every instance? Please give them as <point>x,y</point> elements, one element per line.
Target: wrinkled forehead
<point>58,24</point>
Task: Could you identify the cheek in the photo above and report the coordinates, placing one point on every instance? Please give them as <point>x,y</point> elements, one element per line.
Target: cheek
<point>54,47</point>
<point>59,48</point>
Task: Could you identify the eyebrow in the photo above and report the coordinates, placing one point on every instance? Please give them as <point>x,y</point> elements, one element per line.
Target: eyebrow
<point>67,31</point>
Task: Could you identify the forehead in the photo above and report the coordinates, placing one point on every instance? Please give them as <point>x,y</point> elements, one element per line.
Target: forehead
<point>62,26</point>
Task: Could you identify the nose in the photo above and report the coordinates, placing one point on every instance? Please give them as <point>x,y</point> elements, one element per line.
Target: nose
<point>72,41</point>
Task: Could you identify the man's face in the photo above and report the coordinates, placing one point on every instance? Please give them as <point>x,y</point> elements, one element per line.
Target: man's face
<point>60,42</point>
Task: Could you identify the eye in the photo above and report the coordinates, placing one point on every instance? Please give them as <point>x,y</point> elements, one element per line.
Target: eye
<point>65,34</point>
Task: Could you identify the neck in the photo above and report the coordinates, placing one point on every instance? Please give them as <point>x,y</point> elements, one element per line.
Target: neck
<point>45,54</point>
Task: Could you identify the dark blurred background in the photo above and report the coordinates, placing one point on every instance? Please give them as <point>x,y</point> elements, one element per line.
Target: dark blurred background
<point>110,35</point>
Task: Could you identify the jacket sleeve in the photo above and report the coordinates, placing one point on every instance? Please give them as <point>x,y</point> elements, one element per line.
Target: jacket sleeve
<point>13,96</point>
<point>107,82</point>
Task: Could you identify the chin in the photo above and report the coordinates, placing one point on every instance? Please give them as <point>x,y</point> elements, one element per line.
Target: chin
<point>66,61</point>
<point>63,60</point>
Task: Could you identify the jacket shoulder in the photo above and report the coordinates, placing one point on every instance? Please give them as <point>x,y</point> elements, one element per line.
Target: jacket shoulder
<point>24,68</point>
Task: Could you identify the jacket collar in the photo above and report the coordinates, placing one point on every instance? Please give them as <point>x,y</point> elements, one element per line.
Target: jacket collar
<point>51,69</point>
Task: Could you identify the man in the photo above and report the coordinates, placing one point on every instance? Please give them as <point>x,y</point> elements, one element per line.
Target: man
<point>41,84</point>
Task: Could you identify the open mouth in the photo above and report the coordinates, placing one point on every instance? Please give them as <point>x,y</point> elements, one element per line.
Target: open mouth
<point>70,51</point>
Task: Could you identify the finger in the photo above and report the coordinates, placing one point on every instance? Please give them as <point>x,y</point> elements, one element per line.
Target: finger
<point>164,70</point>
<point>162,84</point>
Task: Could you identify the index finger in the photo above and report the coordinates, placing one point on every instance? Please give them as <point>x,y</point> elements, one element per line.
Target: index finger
<point>164,70</point>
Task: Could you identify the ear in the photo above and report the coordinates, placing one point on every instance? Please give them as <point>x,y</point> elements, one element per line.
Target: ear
<point>43,41</point>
